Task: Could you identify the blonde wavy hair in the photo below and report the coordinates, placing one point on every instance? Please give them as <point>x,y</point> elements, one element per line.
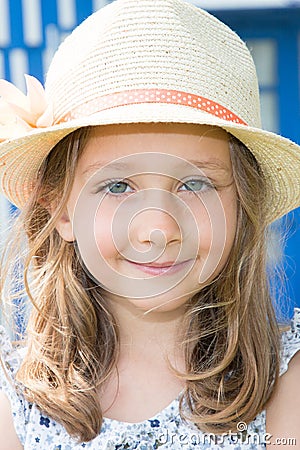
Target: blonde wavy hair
<point>231,335</point>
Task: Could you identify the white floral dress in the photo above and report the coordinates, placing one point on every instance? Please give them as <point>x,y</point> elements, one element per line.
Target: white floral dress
<point>166,430</point>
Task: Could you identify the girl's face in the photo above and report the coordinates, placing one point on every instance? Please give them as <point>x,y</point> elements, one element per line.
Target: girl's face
<point>153,211</point>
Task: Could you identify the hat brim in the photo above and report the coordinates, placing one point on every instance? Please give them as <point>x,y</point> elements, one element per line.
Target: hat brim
<point>279,158</point>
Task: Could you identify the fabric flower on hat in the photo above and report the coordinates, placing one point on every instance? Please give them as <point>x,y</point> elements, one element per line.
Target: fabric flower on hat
<point>20,113</point>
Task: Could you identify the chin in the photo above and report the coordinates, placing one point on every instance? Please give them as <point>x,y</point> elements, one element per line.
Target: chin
<point>160,304</point>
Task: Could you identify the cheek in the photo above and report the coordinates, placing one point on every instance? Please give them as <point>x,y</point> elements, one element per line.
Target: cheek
<point>230,209</point>
<point>205,231</point>
<point>92,224</point>
<point>103,232</point>
<point>216,221</point>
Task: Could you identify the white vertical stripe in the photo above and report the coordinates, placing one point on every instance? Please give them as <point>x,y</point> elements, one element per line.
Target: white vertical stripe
<point>4,220</point>
<point>18,63</point>
<point>66,11</point>
<point>4,24</point>
<point>2,65</point>
<point>52,41</point>
<point>97,4</point>
<point>32,22</point>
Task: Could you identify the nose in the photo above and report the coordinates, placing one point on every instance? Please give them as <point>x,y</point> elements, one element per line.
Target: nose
<point>156,227</point>
<point>152,218</point>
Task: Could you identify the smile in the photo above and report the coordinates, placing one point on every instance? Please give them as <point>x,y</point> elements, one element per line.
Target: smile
<point>160,269</point>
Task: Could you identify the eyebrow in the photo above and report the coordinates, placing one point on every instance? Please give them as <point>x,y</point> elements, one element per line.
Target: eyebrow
<point>119,166</point>
<point>212,163</point>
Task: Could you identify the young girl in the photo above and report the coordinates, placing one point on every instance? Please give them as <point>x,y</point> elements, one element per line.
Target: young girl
<point>146,189</point>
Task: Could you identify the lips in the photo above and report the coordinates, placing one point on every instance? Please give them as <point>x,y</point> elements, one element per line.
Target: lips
<point>168,267</point>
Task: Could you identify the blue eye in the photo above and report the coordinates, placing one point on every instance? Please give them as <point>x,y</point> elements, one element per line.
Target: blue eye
<point>119,187</point>
<point>113,187</point>
<point>196,185</point>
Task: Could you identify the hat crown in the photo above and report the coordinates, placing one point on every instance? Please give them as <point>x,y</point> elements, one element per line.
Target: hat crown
<point>159,44</point>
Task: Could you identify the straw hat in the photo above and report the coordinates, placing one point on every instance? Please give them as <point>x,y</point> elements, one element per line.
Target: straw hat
<point>143,61</point>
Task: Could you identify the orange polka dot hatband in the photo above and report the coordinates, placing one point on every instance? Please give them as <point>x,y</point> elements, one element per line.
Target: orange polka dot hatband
<point>139,62</point>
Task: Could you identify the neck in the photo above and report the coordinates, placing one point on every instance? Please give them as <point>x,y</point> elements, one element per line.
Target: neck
<point>149,344</point>
<point>157,333</point>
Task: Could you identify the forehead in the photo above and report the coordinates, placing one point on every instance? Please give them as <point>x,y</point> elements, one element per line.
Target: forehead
<point>118,146</point>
